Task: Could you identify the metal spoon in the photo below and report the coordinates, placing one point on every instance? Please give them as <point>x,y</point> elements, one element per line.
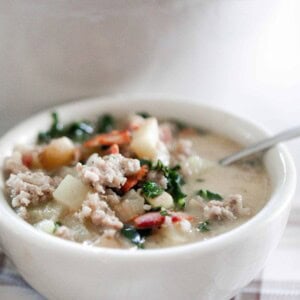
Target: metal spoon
<point>260,146</point>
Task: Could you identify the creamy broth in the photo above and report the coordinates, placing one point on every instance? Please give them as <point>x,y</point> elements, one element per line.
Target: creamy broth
<point>156,185</point>
<point>248,178</point>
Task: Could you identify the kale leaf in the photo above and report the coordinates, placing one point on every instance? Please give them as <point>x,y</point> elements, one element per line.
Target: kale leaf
<point>76,131</point>
<point>151,189</point>
<point>204,226</point>
<point>131,233</point>
<point>175,181</point>
<point>79,131</point>
<point>208,195</point>
<point>106,123</point>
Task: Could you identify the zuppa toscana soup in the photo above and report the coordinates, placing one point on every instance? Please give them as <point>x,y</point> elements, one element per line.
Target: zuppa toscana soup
<point>132,183</point>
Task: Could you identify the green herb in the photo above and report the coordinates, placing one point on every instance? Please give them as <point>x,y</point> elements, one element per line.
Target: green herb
<point>106,123</point>
<point>164,212</point>
<point>151,189</point>
<point>77,131</point>
<point>56,130</point>
<point>175,181</point>
<point>133,235</point>
<point>146,162</point>
<point>57,224</point>
<point>203,226</point>
<point>144,114</point>
<point>207,195</point>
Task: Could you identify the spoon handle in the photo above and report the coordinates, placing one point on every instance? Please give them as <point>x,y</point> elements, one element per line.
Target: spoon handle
<point>260,146</point>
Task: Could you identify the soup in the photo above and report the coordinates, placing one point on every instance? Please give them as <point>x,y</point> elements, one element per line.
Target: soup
<point>132,183</point>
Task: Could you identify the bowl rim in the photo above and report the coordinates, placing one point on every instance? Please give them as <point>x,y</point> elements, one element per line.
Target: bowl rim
<point>285,191</point>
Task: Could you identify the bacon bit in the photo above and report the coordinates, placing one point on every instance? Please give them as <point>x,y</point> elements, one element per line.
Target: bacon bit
<point>27,160</point>
<point>155,219</point>
<point>149,220</point>
<point>113,149</point>
<point>134,179</point>
<point>108,139</point>
<point>179,216</point>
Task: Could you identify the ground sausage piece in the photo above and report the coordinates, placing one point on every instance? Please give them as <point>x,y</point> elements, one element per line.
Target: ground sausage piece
<point>100,214</point>
<point>108,171</point>
<point>30,188</point>
<point>230,208</point>
<point>22,212</point>
<point>181,150</point>
<point>167,132</point>
<point>65,233</point>
<point>111,198</point>
<point>158,178</point>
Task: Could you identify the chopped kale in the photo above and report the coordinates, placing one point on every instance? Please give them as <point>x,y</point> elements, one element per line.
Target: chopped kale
<point>106,123</point>
<point>131,233</point>
<point>164,212</point>
<point>151,189</point>
<point>208,195</point>
<point>57,224</point>
<point>175,181</point>
<point>77,131</point>
<point>144,114</point>
<point>146,162</point>
<point>56,130</point>
<point>203,226</point>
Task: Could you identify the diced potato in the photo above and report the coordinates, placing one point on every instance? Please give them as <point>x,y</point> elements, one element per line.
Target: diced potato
<point>50,210</point>
<point>64,171</point>
<point>71,192</point>
<point>195,165</point>
<point>192,207</point>
<point>145,139</point>
<point>60,152</point>
<point>163,153</point>
<point>164,200</point>
<point>47,226</point>
<point>130,207</point>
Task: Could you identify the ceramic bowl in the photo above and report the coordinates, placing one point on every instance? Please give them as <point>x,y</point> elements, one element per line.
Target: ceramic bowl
<point>213,269</point>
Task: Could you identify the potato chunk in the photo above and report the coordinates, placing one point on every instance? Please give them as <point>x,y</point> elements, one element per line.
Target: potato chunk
<point>60,152</point>
<point>164,200</point>
<point>47,226</point>
<point>131,206</point>
<point>145,139</point>
<point>71,192</point>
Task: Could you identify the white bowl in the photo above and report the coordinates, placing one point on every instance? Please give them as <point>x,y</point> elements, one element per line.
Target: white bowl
<point>212,269</point>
